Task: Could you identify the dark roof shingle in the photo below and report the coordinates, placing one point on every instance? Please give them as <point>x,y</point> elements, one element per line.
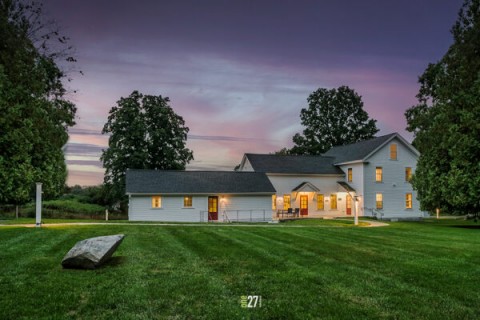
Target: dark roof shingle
<point>357,151</point>
<point>270,163</point>
<point>192,182</point>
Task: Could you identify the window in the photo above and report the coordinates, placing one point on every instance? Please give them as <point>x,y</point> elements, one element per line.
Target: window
<point>379,201</point>
<point>286,201</point>
<point>349,175</point>
<point>187,201</point>
<point>333,201</point>
<point>320,199</point>
<point>408,174</point>
<point>408,201</point>
<point>156,202</point>
<point>379,174</point>
<point>393,151</point>
<point>274,202</point>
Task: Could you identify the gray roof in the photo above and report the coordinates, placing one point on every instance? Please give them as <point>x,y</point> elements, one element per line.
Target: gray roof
<point>357,151</point>
<point>196,182</point>
<point>270,163</point>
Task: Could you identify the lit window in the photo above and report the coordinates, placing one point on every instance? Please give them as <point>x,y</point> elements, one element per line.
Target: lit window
<point>379,174</point>
<point>274,202</point>
<point>393,151</point>
<point>156,202</point>
<point>187,201</point>
<point>379,201</point>
<point>350,174</point>
<point>320,199</point>
<point>333,201</point>
<point>408,174</point>
<point>286,202</point>
<point>408,201</point>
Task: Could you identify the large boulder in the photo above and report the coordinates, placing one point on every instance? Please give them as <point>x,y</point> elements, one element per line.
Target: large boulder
<point>91,253</point>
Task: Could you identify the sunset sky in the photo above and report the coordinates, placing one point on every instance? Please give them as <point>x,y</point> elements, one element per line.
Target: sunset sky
<point>239,72</point>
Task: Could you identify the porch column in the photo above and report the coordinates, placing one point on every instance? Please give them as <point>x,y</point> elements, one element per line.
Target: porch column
<point>355,209</point>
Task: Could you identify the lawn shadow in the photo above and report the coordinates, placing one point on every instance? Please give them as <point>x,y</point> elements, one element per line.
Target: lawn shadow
<point>113,262</point>
<point>466,227</point>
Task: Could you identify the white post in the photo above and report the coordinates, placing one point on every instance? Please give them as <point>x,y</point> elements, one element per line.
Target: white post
<point>106,214</point>
<point>438,213</point>
<point>38,209</point>
<point>355,209</point>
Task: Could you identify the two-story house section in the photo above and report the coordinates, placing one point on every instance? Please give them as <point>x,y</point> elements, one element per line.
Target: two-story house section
<point>380,170</point>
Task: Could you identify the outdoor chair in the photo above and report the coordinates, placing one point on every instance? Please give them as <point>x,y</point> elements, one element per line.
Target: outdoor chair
<point>297,212</point>
<point>289,212</point>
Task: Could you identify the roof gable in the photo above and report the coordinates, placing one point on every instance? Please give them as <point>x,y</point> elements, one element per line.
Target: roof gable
<point>196,182</point>
<point>289,164</point>
<point>361,151</point>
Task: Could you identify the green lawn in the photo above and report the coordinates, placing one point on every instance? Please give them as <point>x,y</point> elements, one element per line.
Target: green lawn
<point>426,270</point>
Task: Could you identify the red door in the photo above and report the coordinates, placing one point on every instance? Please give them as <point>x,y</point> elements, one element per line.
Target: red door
<point>349,205</point>
<point>304,205</point>
<point>212,208</point>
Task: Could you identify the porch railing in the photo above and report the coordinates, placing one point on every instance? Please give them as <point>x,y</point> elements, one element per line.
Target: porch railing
<point>247,215</point>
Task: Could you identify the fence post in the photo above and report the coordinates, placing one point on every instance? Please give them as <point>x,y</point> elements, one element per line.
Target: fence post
<point>250,215</point>
<point>264,215</point>
<point>38,205</point>
<point>16,211</point>
<point>106,214</point>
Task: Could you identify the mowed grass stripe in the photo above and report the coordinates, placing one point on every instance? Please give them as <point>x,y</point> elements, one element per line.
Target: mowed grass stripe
<point>403,271</point>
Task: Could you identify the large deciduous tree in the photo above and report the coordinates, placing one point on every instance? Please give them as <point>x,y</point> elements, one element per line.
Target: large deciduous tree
<point>446,122</point>
<point>35,113</point>
<point>333,118</point>
<point>145,134</point>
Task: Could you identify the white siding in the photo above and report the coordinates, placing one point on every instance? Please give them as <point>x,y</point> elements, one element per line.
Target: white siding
<point>246,166</point>
<point>358,182</point>
<point>245,208</point>
<point>140,208</point>
<point>284,184</point>
<point>393,187</point>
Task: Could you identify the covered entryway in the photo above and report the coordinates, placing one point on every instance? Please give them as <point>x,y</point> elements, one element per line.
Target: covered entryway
<point>213,208</point>
<point>304,205</point>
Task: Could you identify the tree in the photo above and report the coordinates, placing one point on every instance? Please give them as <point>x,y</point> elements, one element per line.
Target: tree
<point>446,122</point>
<point>35,113</point>
<point>145,134</point>
<point>333,118</point>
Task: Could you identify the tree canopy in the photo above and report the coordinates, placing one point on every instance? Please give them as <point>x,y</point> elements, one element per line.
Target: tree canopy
<point>145,134</point>
<point>446,122</point>
<point>333,118</point>
<point>35,113</point>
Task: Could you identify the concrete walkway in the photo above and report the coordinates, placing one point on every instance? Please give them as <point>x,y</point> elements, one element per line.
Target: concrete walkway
<point>270,225</point>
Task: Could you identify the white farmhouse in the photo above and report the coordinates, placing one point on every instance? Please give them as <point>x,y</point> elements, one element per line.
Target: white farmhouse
<point>370,178</point>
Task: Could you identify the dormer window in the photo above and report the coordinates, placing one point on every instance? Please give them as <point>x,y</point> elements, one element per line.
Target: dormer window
<point>393,151</point>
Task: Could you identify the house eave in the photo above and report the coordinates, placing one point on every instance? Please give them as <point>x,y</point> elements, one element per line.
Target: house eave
<point>307,174</point>
<point>196,193</point>
<point>350,162</point>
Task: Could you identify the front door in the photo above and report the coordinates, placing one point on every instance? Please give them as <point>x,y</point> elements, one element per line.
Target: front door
<point>304,205</point>
<point>212,208</point>
<point>349,205</point>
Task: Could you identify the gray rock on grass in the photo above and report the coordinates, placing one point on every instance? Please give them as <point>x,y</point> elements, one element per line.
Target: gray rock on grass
<point>92,253</point>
